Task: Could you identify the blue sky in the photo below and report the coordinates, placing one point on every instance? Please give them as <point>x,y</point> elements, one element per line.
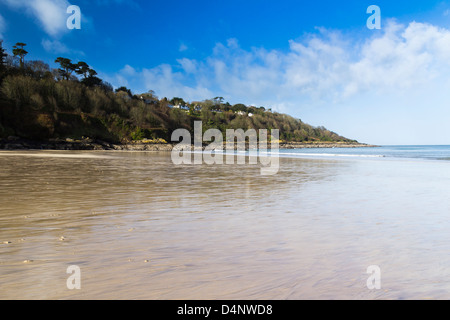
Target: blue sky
<point>315,60</point>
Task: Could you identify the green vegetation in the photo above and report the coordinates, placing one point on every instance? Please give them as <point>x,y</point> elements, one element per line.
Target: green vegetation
<point>40,103</point>
<point>19,51</point>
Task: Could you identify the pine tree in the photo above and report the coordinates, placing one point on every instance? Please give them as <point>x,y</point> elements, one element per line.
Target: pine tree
<point>67,67</point>
<point>18,50</point>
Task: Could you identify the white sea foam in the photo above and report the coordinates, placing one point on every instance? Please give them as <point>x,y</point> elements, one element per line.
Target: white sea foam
<point>331,155</point>
<point>289,154</point>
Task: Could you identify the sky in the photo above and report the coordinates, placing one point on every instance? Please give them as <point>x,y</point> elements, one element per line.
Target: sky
<point>314,60</point>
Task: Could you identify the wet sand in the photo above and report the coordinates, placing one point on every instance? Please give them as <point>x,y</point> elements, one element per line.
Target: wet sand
<point>140,227</point>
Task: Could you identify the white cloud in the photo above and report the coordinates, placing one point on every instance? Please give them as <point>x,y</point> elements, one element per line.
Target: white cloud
<point>324,67</point>
<point>2,26</point>
<point>163,79</point>
<point>51,14</point>
<point>322,73</point>
<point>189,66</point>
<point>183,47</point>
<point>55,46</point>
<point>404,58</point>
<point>129,71</point>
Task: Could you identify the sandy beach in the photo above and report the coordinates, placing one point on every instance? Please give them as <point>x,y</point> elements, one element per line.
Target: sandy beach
<point>139,227</point>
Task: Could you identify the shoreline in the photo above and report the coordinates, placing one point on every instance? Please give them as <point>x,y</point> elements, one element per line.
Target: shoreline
<point>308,145</point>
<point>13,143</point>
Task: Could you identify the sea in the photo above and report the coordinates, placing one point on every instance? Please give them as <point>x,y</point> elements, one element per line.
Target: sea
<point>424,152</point>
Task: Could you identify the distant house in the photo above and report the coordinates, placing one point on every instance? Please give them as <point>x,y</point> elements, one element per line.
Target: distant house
<point>181,107</point>
<point>250,114</point>
<point>241,113</point>
<point>147,100</point>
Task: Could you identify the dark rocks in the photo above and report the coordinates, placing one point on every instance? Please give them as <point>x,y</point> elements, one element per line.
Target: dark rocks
<point>143,147</point>
<point>15,143</point>
<point>85,144</point>
<point>303,145</point>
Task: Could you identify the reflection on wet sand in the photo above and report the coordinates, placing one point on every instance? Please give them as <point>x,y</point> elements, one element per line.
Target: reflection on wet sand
<point>140,227</point>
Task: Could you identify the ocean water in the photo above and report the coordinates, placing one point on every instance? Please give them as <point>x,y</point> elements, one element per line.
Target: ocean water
<point>390,152</point>
<point>140,227</point>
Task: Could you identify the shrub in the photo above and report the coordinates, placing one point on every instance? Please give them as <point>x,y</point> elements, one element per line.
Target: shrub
<point>20,89</point>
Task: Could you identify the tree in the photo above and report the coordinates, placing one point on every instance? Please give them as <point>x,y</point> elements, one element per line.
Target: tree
<point>177,101</point>
<point>149,97</point>
<point>82,68</point>
<point>207,104</point>
<point>92,81</point>
<point>38,69</point>
<point>89,74</point>
<point>19,51</point>
<point>124,89</point>
<point>218,100</point>
<point>239,107</point>
<point>106,86</point>
<point>92,73</point>
<point>3,56</point>
<point>152,95</point>
<point>67,67</point>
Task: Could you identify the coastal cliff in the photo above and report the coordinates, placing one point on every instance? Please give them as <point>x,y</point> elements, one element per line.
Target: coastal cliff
<point>45,108</point>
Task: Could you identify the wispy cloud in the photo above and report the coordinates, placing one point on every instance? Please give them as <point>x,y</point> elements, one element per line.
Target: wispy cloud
<point>163,77</point>
<point>2,26</point>
<point>55,46</point>
<point>183,47</point>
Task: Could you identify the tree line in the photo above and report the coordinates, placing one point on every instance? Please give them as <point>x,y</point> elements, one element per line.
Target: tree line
<point>71,101</point>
